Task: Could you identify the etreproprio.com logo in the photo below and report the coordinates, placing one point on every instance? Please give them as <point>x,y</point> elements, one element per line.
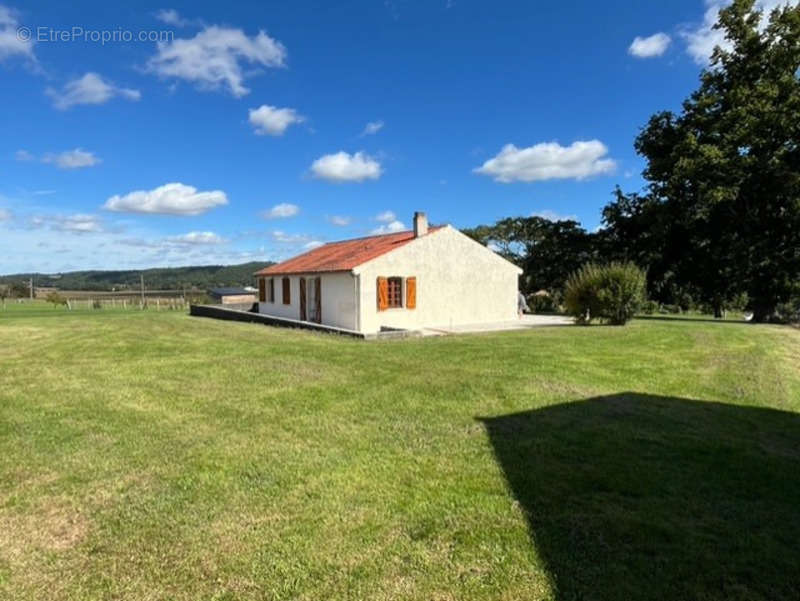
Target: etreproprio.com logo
<point>94,36</point>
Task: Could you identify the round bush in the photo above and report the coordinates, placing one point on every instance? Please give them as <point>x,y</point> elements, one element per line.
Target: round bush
<point>612,293</point>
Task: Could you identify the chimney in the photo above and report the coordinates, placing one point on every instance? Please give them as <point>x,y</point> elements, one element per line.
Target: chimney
<point>420,224</point>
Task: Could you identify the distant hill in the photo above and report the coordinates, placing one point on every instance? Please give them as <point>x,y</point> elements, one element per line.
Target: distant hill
<point>167,278</point>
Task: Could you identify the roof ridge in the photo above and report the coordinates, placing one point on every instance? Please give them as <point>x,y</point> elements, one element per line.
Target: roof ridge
<point>343,255</point>
<point>431,228</point>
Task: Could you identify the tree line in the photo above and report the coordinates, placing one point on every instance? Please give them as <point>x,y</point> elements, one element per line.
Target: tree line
<point>718,222</point>
<point>197,277</point>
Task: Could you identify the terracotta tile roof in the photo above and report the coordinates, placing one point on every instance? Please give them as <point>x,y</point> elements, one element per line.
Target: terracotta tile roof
<point>342,256</point>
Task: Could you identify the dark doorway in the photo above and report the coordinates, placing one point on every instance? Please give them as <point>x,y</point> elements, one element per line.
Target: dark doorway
<point>302,299</point>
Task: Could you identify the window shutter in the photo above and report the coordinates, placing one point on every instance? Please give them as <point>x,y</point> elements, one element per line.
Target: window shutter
<point>303,315</point>
<point>383,294</point>
<point>272,290</point>
<point>262,290</point>
<point>318,298</point>
<point>411,293</point>
<point>287,297</point>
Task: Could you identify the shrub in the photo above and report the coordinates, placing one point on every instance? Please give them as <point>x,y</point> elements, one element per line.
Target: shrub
<point>56,299</point>
<point>542,304</point>
<point>650,307</point>
<point>611,293</point>
<point>685,302</point>
<point>788,312</point>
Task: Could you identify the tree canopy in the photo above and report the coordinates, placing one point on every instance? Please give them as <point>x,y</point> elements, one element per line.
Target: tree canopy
<point>547,251</point>
<point>720,215</point>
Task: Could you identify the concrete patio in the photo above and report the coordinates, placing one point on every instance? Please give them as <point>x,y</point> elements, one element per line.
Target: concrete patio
<point>527,322</point>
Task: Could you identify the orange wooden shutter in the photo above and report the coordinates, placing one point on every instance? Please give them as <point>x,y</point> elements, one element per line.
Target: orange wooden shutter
<point>383,294</point>
<point>411,293</point>
<point>262,290</point>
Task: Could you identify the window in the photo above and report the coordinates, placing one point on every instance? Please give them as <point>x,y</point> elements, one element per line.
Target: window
<point>390,293</point>
<point>395,296</point>
<point>287,295</point>
<point>271,290</point>
<point>262,290</point>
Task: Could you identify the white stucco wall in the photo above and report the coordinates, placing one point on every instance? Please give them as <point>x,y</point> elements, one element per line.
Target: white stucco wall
<point>338,299</point>
<point>459,282</point>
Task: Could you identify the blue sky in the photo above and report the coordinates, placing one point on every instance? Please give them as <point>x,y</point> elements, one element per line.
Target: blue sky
<point>253,131</point>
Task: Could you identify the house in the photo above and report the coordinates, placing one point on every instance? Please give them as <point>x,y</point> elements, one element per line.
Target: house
<point>233,296</point>
<point>428,277</point>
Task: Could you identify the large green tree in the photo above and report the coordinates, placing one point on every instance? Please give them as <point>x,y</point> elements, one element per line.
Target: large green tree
<point>724,174</point>
<point>548,251</point>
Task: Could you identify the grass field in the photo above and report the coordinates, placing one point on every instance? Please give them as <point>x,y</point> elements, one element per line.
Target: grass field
<point>150,455</point>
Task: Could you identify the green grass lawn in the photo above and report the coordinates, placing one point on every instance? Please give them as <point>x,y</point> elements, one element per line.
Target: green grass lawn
<point>149,455</point>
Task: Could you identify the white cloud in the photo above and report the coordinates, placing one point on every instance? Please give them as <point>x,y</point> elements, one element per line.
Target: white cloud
<point>286,238</point>
<point>373,127</point>
<point>548,160</point>
<point>197,238</point>
<point>10,42</point>
<point>80,224</point>
<point>281,211</point>
<point>53,249</point>
<point>5,215</point>
<point>345,167</point>
<point>24,155</point>
<point>270,120</point>
<point>170,16</point>
<point>313,244</point>
<point>213,58</point>
<point>72,159</point>
<point>654,45</point>
<point>340,220</point>
<point>169,199</point>
<point>554,216</point>
<point>389,228</point>
<point>89,89</point>
<point>386,216</point>
<point>702,39</point>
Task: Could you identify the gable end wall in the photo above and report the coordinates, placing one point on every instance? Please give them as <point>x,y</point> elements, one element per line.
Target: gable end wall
<point>459,282</point>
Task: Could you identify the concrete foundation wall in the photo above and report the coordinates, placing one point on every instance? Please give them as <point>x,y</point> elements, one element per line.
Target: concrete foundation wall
<point>226,313</point>
<point>238,299</point>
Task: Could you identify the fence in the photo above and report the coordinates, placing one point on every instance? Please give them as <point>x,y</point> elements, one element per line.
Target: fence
<point>130,303</point>
<point>154,304</point>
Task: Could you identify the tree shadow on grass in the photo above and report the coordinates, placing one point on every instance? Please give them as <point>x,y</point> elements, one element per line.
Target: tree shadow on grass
<point>634,496</point>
